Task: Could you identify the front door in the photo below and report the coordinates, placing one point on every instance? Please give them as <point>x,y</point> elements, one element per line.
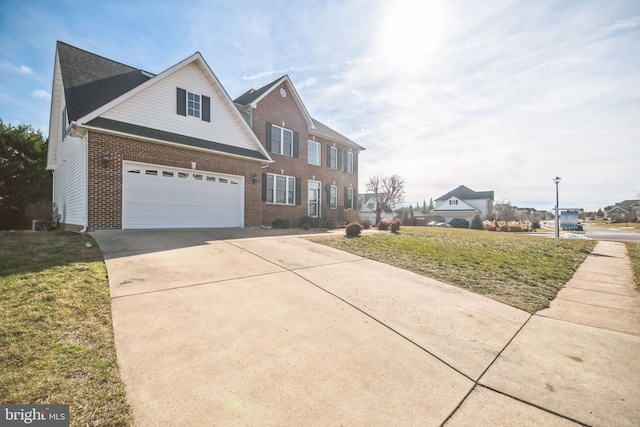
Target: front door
<point>314,199</point>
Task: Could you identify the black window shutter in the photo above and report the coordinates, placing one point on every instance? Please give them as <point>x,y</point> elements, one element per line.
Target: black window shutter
<point>268,140</point>
<point>182,102</point>
<point>264,187</point>
<point>298,191</point>
<point>339,162</point>
<point>206,108</point>
<point>296,147</point>
<point>346,198</point>
<point>355,163</point>
<point>328,156</point>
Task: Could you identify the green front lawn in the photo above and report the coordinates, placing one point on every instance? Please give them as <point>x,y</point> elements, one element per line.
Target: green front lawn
<point>520,270</point>
<point>56,338</point>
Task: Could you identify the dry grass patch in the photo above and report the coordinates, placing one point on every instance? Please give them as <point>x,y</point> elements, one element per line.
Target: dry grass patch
<point>634,253</point>
<point>56,340</point>
<point>520,270</point>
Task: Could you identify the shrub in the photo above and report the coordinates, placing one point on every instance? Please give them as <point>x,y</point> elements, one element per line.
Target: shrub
<point>459,223</point>
<point>489,225</point>
<point>476,223</point>
<point>366,224</point>
<point>515,226</point>
<point>280,223</point>
<point>503,226</point>
<point>45,213</point>
<point>353,229</point>
<point>313,222</point>
<point>395,225</point>
<point>306,226</point>
<point>383,225</point>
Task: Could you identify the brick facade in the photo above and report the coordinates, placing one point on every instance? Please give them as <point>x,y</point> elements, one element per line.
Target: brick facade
<point>105,183</point>
<point>284,112</point>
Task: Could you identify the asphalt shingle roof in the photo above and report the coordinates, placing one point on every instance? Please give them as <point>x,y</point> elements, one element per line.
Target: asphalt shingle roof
<point>465,193</point>
<point>146,132</point>
<point>91,81</point>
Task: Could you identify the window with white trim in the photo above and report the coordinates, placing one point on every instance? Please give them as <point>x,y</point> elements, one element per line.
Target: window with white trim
<point>281,189</point>
<point>193,105</point>
<point>333,157</point>
<point>348,198</point>
<point>348,162</point>
<point>281,141</point>
<point>453,202</point>
<point>333,197</point>
<point>314,153</point>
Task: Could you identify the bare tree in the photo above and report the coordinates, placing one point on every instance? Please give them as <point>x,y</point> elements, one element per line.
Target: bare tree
<point>388,192</point>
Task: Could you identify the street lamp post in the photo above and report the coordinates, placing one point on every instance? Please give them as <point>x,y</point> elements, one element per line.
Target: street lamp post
<point>557,230</point>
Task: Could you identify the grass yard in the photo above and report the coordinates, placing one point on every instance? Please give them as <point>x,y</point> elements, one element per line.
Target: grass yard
<point>634,254</point>
<point>56,339</point>
<point>520,270</point>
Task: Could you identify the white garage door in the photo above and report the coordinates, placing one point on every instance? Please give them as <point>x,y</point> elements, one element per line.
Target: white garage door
<point>162,197</point>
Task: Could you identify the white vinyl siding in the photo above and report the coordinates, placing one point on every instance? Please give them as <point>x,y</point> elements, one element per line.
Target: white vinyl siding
<point>314,153</point>
<point>70,181</point>
<point>155,108</point>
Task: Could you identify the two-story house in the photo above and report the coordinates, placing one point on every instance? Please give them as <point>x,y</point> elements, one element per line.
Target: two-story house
<point>465,203</point>
<point>131,149</point>
<point>315,169</point>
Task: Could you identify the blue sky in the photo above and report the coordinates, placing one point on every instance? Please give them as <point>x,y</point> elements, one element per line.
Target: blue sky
<point>495,95</point>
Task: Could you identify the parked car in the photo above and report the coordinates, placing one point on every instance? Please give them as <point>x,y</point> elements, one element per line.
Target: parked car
<point>442,224</point>
<point>431,224</point>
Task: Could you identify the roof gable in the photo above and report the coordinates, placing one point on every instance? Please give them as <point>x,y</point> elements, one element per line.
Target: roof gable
<point>251,98</point>
<point>465,193</point>
<point>455,204</point>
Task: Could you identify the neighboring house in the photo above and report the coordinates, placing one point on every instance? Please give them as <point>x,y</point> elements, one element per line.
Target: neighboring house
<point>315,169</point>
<point>627,210</point>
<point>464,203</point>
<point>367,208</point>
<point>134,150</point>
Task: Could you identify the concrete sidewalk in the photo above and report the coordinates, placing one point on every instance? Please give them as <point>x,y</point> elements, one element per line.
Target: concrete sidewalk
<point>213,328</point>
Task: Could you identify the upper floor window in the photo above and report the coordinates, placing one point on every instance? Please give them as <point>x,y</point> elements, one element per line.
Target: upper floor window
<point>282,141</point>
<point>332,157</point>
<point>348,162</point>
<point>193,105</point>
<point>453,202</point>
<point>314,153</point>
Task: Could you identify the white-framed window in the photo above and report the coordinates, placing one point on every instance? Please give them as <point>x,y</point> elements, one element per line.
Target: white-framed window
<point>333,157</point>
<point>193,105</point>
<point>281,189</point>
<point>314,153</point>
<point>348,162</point>
<point>348,198</point>
<point>333,197</point>
<point>453,202</point>
<point>281,141</point>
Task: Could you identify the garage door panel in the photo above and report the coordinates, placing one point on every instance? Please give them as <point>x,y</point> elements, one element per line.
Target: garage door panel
<point>161,197</point>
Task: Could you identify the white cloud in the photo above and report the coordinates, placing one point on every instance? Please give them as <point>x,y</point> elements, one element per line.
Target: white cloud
<point>40,94</point>
<point>23,69</point>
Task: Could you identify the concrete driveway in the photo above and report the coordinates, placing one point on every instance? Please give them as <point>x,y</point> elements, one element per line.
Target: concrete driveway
<point>244,327</point>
